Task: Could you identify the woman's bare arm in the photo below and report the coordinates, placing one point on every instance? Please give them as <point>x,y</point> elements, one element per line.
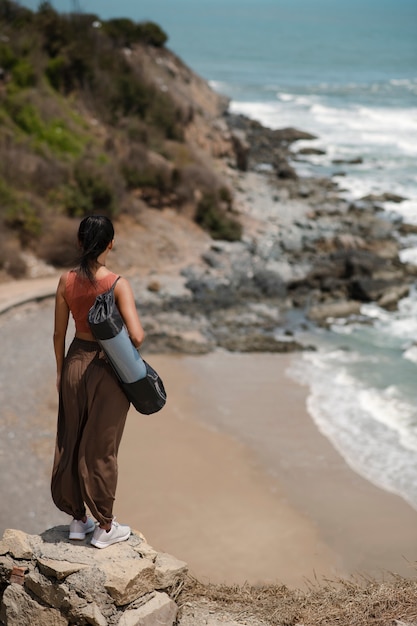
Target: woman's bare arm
<point>60,327</point>
<point>126,304</point>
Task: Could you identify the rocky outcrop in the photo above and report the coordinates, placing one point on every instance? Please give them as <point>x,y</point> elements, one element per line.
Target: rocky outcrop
<point>305,264</point>
<point>259,145</point>
<point>50,581</point>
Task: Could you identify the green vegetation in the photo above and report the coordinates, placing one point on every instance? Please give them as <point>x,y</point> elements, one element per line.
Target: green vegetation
<point>53,134</point>
<point>125,32</point>
<point>18,213</point>
<point>84,124</point>
<point>215,218</point>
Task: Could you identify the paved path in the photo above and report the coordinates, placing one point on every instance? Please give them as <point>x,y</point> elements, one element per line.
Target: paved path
<point>28,404</point>
<point>21,291</point>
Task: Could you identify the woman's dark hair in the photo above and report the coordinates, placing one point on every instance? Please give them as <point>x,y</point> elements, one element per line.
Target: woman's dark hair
<point>94,235</point>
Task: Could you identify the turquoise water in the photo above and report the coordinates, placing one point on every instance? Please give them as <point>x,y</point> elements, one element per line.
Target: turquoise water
<point>293,41</point>
<point>347,72</point>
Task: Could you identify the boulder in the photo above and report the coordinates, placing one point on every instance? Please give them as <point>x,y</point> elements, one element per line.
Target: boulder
<point>241,149</point>
<point>384,197</point>
<point>320,313</point>
<point>18,608</point>
<point>160,609</point>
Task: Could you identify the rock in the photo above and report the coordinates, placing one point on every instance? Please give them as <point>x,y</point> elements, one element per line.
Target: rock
<point>321,312</point>
<point>59,569</point>
<point>168,570</point>
<point>46,590</point>
<point>17,543</point>
<point>60,583</point>
<point>146,551</point>
<point>384,197</point>
<point>128,580</point>
<point>284,170</point>
<point>270,283</point>
<point>87,613</point>
<point>6,567</point>
<point>241,150</point>
<point>289,135</point>
<point>354,161</point>
<point>18,608</point>
<point>257,341</point>
<point>390,298</point>
<point>308,151</point>
<point>159,610</point>
<point>408,229</point>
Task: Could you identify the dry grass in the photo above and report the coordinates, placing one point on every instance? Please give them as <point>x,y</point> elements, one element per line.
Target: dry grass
<point>353,602</point>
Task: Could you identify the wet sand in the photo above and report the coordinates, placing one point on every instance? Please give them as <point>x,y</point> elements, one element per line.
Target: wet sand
<point>234,478</point>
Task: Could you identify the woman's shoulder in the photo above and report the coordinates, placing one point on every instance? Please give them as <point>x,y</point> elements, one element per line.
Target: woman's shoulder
<point>63,279</point>
<point>122,285</point>
<point>63,282</point>
<point>68,276</point>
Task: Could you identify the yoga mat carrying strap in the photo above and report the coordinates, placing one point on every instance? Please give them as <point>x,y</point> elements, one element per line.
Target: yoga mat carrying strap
<point>147,394</point>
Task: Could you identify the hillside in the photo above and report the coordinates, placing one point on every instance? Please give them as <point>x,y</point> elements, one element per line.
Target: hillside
<point>100,116</point>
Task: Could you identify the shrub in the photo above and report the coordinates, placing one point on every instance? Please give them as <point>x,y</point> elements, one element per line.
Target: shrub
<point>23,74</point>
<point>10,259</point>
<point>152,34</point>
<point>53,27</point>
<point>12,13</point>
<point>121,31</point>
<point>136,130</point>
<point>7,57</point>
<point>71,68</point>
<point>146,176</point>
<point>20,215</point>
<point>195,178</point>
<point>58,244</point>
<point>165,115</point>
<point>142,169</point>
<point>124,32</point>
<point>95,189</point>
<point>54,133</point>
<point>24,219</point>
<point>131,96</point>
<point>56,73</point>
<point>225,195</point>
<point>23,114</point>
<point>213,218</point>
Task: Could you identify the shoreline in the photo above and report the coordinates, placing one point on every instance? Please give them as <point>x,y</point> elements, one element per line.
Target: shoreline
<point>243,504</point>
<point>232,476</point>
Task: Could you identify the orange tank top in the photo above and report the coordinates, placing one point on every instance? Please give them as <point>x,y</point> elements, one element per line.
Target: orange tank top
<point>80,294</point>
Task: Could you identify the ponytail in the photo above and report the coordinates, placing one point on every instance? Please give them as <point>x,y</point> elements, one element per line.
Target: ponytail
<point>94,235</point>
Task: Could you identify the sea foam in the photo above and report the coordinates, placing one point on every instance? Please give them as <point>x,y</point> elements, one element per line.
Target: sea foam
<point>374,430</point>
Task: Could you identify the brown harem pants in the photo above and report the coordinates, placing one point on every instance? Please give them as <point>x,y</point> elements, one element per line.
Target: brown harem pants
<point>91,418</point>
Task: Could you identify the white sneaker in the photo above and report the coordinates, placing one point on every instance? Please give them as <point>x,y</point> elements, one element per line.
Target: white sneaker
<point>117,532</point>
<point>79,529</point>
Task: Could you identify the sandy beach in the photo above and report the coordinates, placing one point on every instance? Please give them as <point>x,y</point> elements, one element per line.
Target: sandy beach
<point>234,478</point>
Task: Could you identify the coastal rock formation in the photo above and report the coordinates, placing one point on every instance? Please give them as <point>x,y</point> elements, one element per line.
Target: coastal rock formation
<point>299,263</point>
<point>52,581</point>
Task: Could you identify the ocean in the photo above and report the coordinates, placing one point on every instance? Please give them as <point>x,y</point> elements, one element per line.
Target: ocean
<point>347,73</point>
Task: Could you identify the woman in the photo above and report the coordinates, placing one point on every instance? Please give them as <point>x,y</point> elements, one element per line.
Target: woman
<point>92,405</point>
